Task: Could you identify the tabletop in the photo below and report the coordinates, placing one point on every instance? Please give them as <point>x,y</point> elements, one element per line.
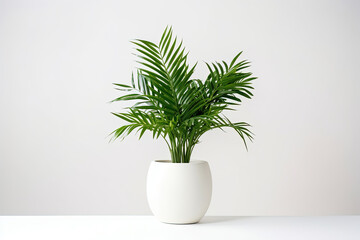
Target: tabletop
<point>147,227</point>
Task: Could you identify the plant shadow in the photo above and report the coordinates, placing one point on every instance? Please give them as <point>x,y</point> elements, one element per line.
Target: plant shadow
<point>219,219</point>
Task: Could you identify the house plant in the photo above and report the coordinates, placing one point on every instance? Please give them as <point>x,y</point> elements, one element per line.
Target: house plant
<point>174,106</point>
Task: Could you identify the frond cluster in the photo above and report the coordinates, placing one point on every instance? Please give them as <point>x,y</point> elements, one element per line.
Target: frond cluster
<point>171,104</point>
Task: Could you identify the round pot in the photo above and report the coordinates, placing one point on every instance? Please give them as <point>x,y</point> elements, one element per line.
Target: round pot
<point>179,193</point>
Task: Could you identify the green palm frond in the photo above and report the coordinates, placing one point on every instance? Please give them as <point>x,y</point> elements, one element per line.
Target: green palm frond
<point>170,104</point>
<point>141,121</point>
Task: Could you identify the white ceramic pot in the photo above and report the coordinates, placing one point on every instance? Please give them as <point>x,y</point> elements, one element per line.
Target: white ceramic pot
<point>179,193</point>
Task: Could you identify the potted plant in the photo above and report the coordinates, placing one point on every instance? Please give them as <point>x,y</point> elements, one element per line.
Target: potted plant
<point>174,106</point>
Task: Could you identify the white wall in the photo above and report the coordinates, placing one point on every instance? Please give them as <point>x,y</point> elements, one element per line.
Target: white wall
<point>59,58</point>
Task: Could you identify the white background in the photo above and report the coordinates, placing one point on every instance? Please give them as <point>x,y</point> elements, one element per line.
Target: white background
<point>59,58</point>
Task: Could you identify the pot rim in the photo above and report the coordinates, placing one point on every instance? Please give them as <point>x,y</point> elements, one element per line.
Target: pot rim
<point>191,162</point>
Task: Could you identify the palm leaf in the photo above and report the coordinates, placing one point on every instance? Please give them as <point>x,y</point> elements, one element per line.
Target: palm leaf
<point>169,103</point>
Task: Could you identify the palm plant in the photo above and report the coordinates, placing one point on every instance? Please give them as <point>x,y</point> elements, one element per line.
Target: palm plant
<point>173,105</point>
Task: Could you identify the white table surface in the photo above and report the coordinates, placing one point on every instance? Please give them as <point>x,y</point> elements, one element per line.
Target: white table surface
<point>147,227</point>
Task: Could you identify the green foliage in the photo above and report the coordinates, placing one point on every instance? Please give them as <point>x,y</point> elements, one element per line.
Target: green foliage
<point>170,104</point>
